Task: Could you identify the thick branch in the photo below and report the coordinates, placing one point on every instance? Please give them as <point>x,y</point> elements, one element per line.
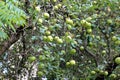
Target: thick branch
<point>13,38</point>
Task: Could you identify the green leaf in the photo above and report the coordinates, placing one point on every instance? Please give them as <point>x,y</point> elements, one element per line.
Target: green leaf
<point>3,35</point>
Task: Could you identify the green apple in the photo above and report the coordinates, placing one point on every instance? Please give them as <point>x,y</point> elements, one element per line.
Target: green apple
<point>117,42</point>
<point>101,72</point>
<point>92,35</point>
<point>59,5</point>
<point>105,73</point>
<point>41,66</point>
<point>72,51</point>
<point>32,58</point>
<point>89,30</point>
<point>56,7</point>
<point>90,44</point>
<point>72,62</point>
<point>93,72</point>
<point>60,41</point>
<point>40,21</point>
<point>113,76</point>
<point>109,21</point>
<point>117,60</point>
<point>97,70</point>
<point>83,22</point>
<point>49,38</point>
<point>88,25</point>
<point>94,2</point>
<point>103,52</point>
<point>81,47</point>
<point>56,38</point>
<point>67,64</point>
<point>37,8</point>
<point>47,32</point>
<point>69,27</point>
<point>46,15</point>
<point>40,73</point>
<point>69,21</point>
<point>114,38</point>
<point>54,1</point>
<point>63,51</point>
<point>41,57</point>
<point>45,38</point>
<point>68,39</point>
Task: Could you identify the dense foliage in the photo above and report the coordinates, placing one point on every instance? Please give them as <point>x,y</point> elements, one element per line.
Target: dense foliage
<point>72,39</point>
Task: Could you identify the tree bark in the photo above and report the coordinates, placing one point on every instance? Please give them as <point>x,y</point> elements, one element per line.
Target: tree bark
<point>12,39</point>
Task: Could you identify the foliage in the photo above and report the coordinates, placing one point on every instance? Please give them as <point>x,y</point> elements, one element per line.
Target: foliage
<point>74,39</point>
<point>10,15</point>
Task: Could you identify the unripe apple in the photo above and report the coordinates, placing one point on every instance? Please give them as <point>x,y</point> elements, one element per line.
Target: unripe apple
<point>93,72</point>
<point>113,76</point>
<point>105,73</point>
<point>117,60</point>
<point>59,5</point>
<point>60,41</point>
<point>41,57</point>
<point>45,38</point>
<point>32,58</point>
<point>68,39</point>
<point>55,7</point>
<point>83,22</point>
<point>69,27</point>
<point>94,2</point>
<point>109,21</point>
<point>103,52</point>
<point>114,38</point>
<point>49,38</point>
<point>63,51</point>
<point>56,38</point>
<point>89,30</point>
<point>68,64</point>
<point>117,42</point>
<point>101,72</point>
<point>47,32</point>
<point>88,25</point>
<point>37,8</point>
<point>72,51</point>
<point>72,62</point>
<point>46,15</point>
<point>97,70</point>
<point>69,21</point>
<point>90,44</point>
<point>40,21</point>
<point>54,1</point>
<point>81,47</point>
<point>40,73</point>
<point>41,66</point>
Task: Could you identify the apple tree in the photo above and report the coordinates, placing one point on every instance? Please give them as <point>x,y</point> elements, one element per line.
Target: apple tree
<point>60,39</point>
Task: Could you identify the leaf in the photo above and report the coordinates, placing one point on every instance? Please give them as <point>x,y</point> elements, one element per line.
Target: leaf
<point>3,35</point>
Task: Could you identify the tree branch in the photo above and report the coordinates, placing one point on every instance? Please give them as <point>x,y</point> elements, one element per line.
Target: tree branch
<point>13,38</point>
